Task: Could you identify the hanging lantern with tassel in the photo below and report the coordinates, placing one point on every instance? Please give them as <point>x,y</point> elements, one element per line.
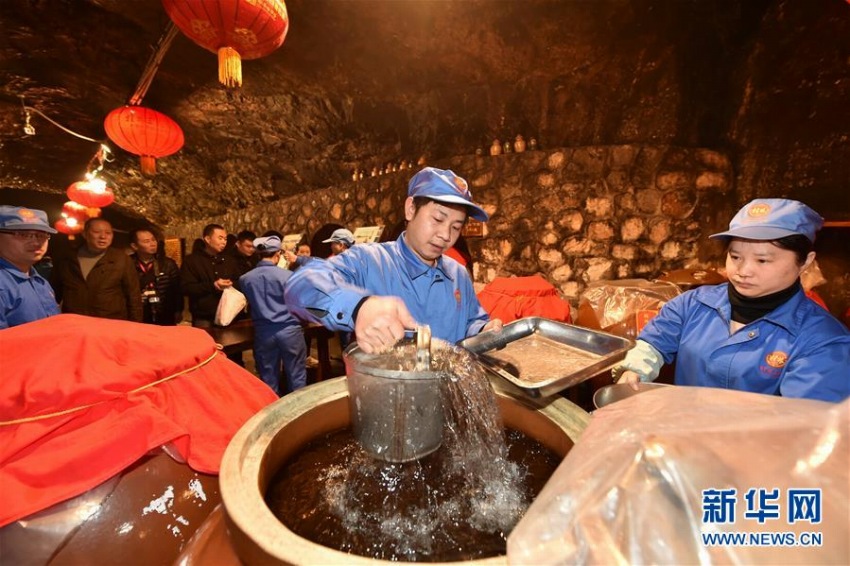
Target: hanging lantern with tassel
<point>144,132</point>
<point>93,193</point>
<point>234,29</point>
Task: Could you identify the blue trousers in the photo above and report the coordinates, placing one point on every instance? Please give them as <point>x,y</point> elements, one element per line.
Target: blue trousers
<point>284,347</point>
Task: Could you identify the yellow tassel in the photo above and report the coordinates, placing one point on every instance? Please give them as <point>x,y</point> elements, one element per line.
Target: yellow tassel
<point>229,67</point>
<point>148,164</point>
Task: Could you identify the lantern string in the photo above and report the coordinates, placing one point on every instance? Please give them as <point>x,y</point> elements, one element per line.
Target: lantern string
<point>29,109</point>
<point>95,164</point>
<point>153,64</point>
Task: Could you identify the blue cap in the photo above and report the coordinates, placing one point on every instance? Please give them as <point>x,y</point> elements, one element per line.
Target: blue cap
<point>771,219</point>
<point>442,185</point>
<point>342,236</point>
<point>20,218</point>
<point>267,244</point>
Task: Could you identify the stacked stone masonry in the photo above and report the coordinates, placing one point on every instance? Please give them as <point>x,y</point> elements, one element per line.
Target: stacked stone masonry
<point>575,215</point>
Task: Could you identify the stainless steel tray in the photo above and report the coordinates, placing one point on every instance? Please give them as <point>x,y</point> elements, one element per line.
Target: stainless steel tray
<point>543,357</point>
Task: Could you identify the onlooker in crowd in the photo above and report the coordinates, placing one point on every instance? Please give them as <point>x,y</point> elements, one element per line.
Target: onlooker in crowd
<point>758,332</point>
<point>205,274</point>
<point>99,280</point>
<point>379,290</point>
<point>159,280</point>
<point>243,252</point>
<point>197,245</point>
<point>340,241</point>
<point>25,295</point>
<point>303,249</point>
<point>294,260</point>
<point>278,336</point>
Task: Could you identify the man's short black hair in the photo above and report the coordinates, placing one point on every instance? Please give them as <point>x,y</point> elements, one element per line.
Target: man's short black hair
<point>210,228</point>
<point>91,221</point>
<point>245,235</point>
<point>134,234</point>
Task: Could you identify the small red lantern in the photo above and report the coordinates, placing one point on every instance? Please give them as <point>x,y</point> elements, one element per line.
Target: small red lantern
<point>235,29</point>
<point>92,193</point>
<point>74,213</point>
<point>68,228</point>
<point>145,132</point>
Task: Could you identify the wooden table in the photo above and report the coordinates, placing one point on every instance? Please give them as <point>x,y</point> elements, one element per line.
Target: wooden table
<point>239,336</point>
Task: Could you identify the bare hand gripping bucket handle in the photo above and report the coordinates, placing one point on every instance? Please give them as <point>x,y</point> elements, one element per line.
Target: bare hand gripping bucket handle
<point>396,410</point>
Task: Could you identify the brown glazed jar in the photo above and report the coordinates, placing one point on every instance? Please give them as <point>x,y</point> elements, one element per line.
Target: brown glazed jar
<point>146,514</point>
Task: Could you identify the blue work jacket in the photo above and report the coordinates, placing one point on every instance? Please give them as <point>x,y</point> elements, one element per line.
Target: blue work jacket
<point>440,296</point>
<point>797,350</point>
<point>24,297</point>
<point>263,287</point>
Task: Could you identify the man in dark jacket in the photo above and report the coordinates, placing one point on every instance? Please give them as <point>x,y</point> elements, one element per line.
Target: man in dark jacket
<point>243,252</point>
<point>206,274</point>
<point>99,280</point>
<point>159,280</point>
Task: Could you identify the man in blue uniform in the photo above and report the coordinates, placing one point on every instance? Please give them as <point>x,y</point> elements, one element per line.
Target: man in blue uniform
<point>759,332</point>
<point>379,290</point>
<point>340,241</point>
<point>25,295</point>
<point>278,336</point>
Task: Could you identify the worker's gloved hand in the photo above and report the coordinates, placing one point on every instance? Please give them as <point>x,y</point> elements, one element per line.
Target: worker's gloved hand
<point>494,324</point>
<point>381,322</point>
<point>642,363</point>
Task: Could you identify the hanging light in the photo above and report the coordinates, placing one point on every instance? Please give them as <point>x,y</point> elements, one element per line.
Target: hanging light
<point>235,29</point>
<point>144,132</point>
<point>76,214</point>
<point>68,227</point>
<point>91,193</point>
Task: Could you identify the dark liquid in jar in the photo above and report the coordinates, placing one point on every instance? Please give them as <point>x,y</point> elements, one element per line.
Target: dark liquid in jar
<point>334,494</point>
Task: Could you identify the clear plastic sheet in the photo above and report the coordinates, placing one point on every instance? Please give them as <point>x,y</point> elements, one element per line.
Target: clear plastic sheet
<point>632,490</point>
<point>623,307</point>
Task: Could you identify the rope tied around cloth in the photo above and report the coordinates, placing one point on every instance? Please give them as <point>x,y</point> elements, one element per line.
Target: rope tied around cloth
<point>218,348</point>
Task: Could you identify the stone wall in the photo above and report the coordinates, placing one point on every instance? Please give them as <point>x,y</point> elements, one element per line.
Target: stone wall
<point>575,215</point>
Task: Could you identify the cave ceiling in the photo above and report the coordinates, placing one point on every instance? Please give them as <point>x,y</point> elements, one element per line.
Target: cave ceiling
<point>357,84</point>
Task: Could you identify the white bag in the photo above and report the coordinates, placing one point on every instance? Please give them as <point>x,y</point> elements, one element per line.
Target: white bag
<point>231,303</point>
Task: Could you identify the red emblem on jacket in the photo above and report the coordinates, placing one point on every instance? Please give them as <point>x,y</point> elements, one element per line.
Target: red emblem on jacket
<point>776,359</point>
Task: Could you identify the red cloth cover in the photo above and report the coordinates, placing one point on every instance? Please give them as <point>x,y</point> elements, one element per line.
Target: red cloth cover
<point>510,298</point>
<point>68,361</point>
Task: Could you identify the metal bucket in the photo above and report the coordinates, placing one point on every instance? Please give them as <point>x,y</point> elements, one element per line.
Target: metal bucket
<point>396,414</point>
<point>620,391</point>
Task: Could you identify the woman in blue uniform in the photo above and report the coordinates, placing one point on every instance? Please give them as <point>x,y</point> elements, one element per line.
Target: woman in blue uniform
<point>759,332</point>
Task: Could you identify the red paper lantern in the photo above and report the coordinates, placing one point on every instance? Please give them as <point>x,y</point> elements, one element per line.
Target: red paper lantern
<point>75,213</point>
<point>62,226</point>
<point>92,193</point>
<point>235,29</point>
<point>145,132</point>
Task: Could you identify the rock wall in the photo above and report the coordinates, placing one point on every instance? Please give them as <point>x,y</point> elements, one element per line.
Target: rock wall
<point>576,215</point>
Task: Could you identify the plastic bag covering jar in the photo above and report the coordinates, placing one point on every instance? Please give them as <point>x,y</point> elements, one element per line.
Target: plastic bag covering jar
<point>396,412</point>
<point>623,307</point>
